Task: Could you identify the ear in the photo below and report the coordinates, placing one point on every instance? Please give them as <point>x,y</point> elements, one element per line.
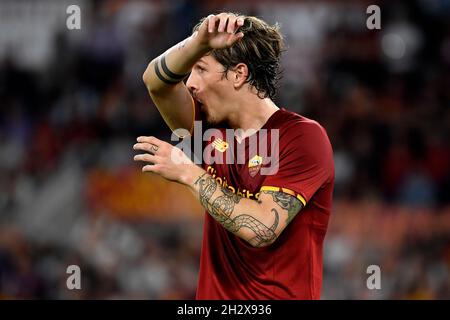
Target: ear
<point>240,75</point>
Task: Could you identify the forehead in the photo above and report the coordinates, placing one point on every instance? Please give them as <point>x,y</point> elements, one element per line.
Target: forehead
<point>208,60</point>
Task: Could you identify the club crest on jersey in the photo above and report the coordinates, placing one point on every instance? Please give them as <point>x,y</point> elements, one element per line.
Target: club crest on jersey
<point>254,165</point>
<point>220,145</point>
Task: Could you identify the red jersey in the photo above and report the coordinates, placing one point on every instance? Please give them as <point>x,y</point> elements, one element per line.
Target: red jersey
<point>291,267</point>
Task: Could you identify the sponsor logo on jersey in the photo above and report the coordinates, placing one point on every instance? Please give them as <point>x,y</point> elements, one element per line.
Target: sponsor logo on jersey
<point>220,145</point>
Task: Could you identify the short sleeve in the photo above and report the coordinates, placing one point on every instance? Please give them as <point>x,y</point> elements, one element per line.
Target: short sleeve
<point>305,161</point>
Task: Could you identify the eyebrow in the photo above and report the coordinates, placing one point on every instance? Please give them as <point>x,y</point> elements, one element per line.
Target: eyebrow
<point>202,61</point>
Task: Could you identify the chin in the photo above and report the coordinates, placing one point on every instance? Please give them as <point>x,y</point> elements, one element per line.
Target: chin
<point>211,121</point>
<point>209,118</point>
<point>214,121</point>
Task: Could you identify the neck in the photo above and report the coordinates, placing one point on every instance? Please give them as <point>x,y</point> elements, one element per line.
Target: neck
<point>251,114</point>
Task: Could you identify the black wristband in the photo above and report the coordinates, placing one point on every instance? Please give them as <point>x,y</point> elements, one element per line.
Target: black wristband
<point>170,73</point>
<point>161,77</point>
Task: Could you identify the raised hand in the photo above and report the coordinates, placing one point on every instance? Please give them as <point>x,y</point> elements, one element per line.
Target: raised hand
<point>219,31</point>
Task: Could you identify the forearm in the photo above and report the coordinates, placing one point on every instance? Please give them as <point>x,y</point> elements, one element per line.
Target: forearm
<point>246,218</point>
<point>259,222</point>
<point>179,60</point>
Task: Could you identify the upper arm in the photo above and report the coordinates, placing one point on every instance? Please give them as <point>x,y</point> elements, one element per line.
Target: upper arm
<point>174,102</point>
<point>305,163</point>
<point>176,106</point>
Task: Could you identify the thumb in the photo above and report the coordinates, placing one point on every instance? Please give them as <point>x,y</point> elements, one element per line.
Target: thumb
<point>235,37</point>
<point>240,35</point>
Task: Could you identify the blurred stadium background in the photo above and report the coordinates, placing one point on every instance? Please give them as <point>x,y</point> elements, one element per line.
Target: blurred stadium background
<point>72,103</point>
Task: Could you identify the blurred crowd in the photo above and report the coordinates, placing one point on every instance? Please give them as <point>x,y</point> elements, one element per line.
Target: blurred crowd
<point>73,101</point>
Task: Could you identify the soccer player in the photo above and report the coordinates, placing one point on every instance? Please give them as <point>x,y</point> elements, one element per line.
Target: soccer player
<point>263,233</point>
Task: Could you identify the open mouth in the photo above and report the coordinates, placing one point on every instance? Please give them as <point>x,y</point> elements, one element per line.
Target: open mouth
<point>199,103</point>
<point>201,106</point>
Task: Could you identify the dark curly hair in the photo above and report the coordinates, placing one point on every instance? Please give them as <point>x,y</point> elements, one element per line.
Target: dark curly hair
<point>260,49</point>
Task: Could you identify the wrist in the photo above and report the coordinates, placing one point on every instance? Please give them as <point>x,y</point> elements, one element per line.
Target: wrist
<point>201,44</point>
<point>191,174</point>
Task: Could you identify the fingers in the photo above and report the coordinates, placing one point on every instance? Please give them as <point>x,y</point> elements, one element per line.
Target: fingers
<point>151,168</point>
<point>231,27</point>
<point>212,19</point>
<point>224,22</point>
<point>240,21</point>
<point>233,38</point>
<point>150,139</point>
<point>148,144</point>
<point>237,36</point>
<point>147,147</point>
<point>146,157</point>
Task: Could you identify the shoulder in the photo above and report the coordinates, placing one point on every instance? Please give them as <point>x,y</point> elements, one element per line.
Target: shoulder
<point>304,139</point>
<point>291,125</point>
<point>304,151</point>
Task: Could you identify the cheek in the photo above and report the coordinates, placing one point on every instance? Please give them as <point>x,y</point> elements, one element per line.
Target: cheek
<point>217,90</point>
<point>222,88</point>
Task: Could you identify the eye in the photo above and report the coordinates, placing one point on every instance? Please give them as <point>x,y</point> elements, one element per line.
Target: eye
<point>200,69</point>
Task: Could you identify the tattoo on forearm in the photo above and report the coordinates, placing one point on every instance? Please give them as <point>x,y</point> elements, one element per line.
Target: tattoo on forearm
<point>225,204</point>
<point>287,202</point>
<point>207,186</point>
<point>171,77</point>
<point>222,207</point>
<point>200,177</point>
<point>263,234</point>
<point>182,44</point>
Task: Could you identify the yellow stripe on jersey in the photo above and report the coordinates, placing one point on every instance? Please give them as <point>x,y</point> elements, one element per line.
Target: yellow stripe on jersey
<point>285,190</point>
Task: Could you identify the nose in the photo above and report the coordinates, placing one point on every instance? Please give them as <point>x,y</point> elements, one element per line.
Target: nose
<point>190,83</point>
